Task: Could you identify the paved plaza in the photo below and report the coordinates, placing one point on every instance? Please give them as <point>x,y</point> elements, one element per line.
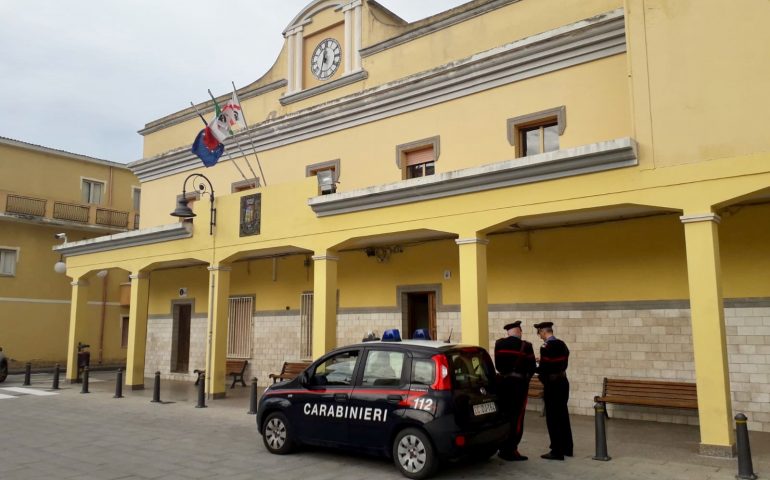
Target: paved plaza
<point>94,436</point>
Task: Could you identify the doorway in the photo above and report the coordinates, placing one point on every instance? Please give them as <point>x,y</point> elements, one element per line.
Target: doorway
<point>420,313</point>
<point>180,348</point>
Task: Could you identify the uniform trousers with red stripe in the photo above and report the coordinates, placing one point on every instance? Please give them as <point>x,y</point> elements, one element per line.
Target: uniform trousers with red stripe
<point>514,395</point>
<point>555,397</point>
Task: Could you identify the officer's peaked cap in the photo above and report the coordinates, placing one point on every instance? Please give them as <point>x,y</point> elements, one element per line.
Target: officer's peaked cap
<point>538,326</point>
<point>516,324</point>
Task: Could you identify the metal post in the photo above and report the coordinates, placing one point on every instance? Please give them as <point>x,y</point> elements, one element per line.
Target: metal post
<point>601,434</point>
<point>745,467</point>
<point>156,389</point>
<point>27,373</point>
<point>253,402</point>
<point>85,380</point>
<point>56,371</point>
<point>119,384</point>
<point>202,392</point>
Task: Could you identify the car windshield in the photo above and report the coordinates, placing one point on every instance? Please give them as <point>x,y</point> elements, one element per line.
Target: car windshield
<point>471,367</point>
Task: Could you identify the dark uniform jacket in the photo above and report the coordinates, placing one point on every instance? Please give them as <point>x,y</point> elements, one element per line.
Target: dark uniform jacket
<point>554,359</point>
<point>515,356</point>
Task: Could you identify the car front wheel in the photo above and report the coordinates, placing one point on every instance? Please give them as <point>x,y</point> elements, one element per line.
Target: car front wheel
<point>413,454</point>
<point>277,434</point>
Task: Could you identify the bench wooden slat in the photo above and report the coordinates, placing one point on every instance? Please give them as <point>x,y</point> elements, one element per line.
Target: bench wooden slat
<point>290,370</point>
<point>649,393</point>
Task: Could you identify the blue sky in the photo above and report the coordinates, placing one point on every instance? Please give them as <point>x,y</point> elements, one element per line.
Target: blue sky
<point>85,75</point>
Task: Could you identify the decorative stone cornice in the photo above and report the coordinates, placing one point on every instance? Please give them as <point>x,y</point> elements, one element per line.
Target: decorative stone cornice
<point>592,158</point>
<point>435,26</point>
<point>139,276</point>
<point>703,217</point>
<point>331,258</point>
<point>135,238</point>
<point>323,88</point>
<point>581,42</point>
<point>206,108</point>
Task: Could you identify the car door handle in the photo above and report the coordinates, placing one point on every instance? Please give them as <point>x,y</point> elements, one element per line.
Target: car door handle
<point>340,397</point>
<point>395,398</point>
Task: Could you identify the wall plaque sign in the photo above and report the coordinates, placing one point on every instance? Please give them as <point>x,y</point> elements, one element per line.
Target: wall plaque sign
<point>251,214</point>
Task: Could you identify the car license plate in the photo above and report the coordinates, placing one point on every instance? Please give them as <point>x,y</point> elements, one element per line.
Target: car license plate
<point>484,408</point>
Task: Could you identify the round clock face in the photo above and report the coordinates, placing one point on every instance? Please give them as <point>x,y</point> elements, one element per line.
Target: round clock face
<point>326,59</point>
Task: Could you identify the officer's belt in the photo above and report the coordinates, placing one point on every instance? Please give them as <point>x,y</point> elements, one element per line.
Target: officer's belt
<point>552,377</point>
<point>515,375</point>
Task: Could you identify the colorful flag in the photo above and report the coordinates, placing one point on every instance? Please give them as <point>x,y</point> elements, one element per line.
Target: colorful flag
<point>218,125</point>
<point>207,147</point>
<point>234,115</point>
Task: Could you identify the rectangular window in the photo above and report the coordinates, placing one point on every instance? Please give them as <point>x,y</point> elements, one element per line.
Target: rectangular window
<point>239,331</point>
<point>383,368</point>
<point>137,198</point>
<point>123,332</point>
<point>92,191</point>
<point>418,159</point>
<point>8,262</point>
<point>539,139</point>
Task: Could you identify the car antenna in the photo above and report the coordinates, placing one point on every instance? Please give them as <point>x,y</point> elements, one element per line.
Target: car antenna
<point>450,335</point>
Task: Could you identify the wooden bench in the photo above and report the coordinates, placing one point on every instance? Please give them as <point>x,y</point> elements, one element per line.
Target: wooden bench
<point>236,368</point>
<point>648,393</point>
<point>536,391</point>
<point>290,370</point>
<point>233,367</point>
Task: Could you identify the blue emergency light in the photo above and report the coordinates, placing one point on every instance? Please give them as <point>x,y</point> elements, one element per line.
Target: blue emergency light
<point>391,335</point>
<point>421,334</point>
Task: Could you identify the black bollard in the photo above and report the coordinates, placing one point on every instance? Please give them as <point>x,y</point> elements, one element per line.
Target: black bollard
<point>201,391</point>
<point>85,380</point>
<point>601,434</point>
<point>56,370</point>
<point>27,373</point>
<point>156,389</point>
<point>745,467</point>
<point>119,384</point>
<point>253,402</point>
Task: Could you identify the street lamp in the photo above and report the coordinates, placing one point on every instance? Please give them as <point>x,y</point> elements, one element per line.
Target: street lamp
<point>183,210</point>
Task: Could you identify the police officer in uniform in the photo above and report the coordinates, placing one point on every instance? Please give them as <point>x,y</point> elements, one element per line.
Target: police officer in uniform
<point>552,371</point>
<point>515,360</point>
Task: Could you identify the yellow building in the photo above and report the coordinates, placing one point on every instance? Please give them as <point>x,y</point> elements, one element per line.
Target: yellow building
<point>598,163</point>
<point>47,197</point>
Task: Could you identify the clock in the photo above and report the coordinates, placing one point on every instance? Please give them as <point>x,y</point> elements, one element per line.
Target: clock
<point>326,59</point>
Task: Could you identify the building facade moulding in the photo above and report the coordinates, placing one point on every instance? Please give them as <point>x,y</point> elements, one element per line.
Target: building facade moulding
<point>592,158</point>
<point>135,238</point>
<point>703,217</point>
<point>472,241</point>
<point>139,276</point>
<point>574,44</point>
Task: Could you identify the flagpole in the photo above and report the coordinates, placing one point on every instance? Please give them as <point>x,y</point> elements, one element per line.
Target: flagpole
<point>230,155</point>
<point>238,144</point>
<point>251,141</point>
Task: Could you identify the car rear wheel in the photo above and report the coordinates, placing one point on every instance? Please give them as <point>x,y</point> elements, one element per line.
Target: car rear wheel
<point>277,434</point>
<point>413,454</point>
<point>3,371</point>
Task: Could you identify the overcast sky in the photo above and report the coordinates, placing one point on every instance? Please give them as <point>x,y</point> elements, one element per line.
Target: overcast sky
<point>85,75</point>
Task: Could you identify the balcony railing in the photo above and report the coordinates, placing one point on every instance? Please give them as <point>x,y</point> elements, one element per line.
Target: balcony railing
<point>41,208</point>
<point>70,211</point>
<point>112,218</point>
<point>25,205</point>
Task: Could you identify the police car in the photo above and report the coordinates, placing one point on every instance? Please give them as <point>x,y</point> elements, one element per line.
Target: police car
<point>419,402</point>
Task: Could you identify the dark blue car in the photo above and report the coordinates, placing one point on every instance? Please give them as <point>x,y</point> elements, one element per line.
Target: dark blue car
<point>418,402</point>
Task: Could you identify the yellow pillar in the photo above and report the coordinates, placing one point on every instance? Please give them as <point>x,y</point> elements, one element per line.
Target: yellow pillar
<point>708,334</point>
<point>78,325</point>
<point>474,318</point>
<point>324,303</point>
<point>137,330</point>
<point>216,348</point>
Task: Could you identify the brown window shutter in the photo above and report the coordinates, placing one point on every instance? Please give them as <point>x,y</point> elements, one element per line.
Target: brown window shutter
<point>416,157</point>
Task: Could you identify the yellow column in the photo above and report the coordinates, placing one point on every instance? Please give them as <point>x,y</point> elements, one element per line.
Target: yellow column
<point>137,330</point>
<point>78,325</point>
<point>708,334</point>
<point>216,348</point>
<point>474,320</point>
<point>324,303</point>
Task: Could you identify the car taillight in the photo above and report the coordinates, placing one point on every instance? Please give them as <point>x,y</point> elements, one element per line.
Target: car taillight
<point>442,381</point>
